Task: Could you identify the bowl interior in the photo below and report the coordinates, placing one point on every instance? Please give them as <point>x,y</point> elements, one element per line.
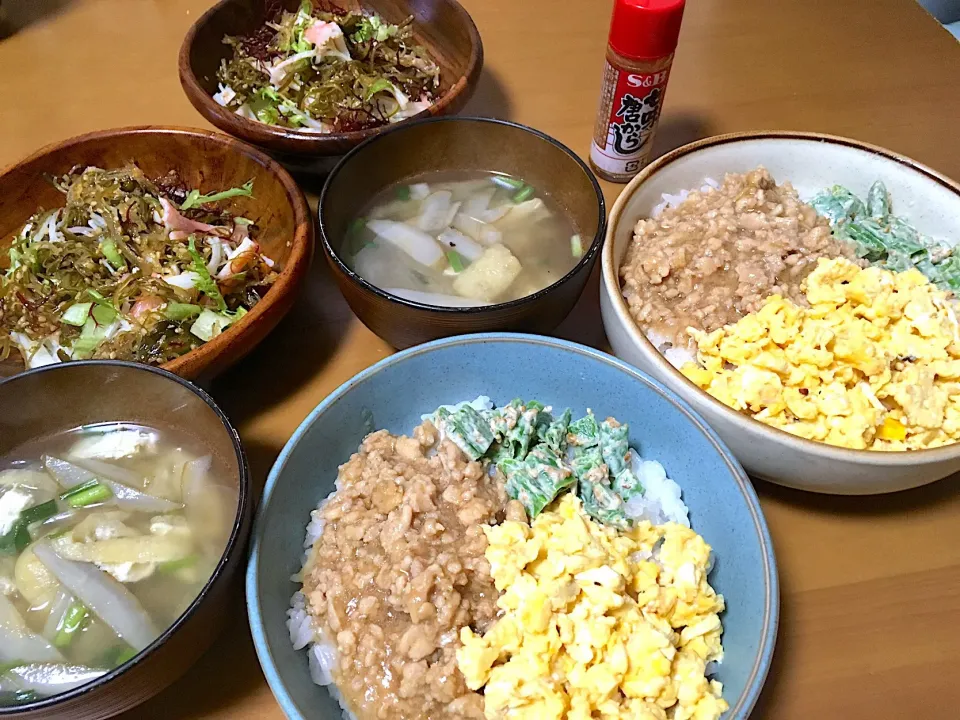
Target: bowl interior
<point>456,144</point>
<point>63,397</point>
<point>811,163</point>
<point>441,26</point>
<point>203,160</point>
<point>393,395</point>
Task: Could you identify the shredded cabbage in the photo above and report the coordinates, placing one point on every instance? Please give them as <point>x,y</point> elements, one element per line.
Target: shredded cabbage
<point>109,275</point>
<point>362,72</point>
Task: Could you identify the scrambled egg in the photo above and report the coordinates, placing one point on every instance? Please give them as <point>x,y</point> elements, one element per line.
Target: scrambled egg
<point>874,362</point>
<point>595,623</point>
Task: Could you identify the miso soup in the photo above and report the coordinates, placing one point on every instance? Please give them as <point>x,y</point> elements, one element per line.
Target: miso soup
<point>462,239</point>
<point>107,534</point>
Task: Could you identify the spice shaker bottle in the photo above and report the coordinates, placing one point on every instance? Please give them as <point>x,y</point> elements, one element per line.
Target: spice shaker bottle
<point>643,37</point>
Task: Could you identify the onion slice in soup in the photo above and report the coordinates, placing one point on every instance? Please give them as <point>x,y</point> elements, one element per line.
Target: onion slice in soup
<point>454,240</point>
<point>480,231</point>
<point>435,211</point>
<point>56,612</point>
<point>415,243</point>
<point>67,474</point>
<point>51,678</point>
<point>18,643</point>
<point>74,474</point>
<point>109,471</point>
<point>102,595</point>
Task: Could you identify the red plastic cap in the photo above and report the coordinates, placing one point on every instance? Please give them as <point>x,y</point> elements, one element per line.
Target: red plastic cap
<point>645,29</point>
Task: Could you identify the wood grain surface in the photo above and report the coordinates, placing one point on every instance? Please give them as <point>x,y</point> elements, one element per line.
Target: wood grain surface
<point>870,601</point>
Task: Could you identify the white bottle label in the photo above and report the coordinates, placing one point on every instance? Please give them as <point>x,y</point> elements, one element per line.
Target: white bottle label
<point>630,105</point>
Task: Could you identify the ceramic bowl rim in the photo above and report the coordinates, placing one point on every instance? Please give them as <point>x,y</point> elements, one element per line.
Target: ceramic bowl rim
<point>229,122</point>
<point>301,247</point>
<point>235,543</point>
<point>771,612</point>
<point>611,287</point>
<point>588,258</point>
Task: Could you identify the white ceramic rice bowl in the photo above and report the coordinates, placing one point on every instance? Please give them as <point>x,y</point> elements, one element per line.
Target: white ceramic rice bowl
<point>811,162</point>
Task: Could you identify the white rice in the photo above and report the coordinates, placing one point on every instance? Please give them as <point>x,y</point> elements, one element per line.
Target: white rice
<point>314,529</point>
<point>299,623</point>
<point>304,632</point>
<point>677,357</point>
<point>661,501</point>
<point>669,200</point>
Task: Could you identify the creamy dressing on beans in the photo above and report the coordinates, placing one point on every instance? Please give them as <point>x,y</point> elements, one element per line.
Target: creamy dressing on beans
<point>718,255</point>
<point>400,568</point>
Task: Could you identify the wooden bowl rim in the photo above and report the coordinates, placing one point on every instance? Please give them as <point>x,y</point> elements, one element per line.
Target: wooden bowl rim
<point>284,139</point>
<point>589,257</point>
<point>236,543</point>
<point>300,245</point>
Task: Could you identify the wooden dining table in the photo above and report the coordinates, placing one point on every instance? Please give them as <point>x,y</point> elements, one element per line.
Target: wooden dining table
<point>870,586</point>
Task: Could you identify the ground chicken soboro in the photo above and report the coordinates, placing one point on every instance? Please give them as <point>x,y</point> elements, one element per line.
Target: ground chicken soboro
<point>400,568</point>
<point>718,255</point>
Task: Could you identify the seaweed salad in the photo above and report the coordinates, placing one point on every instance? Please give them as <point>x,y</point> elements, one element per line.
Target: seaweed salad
<point>323,69</point>
<point>128,269</point>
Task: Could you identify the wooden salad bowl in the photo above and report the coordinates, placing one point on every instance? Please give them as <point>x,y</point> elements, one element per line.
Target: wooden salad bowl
<point>205,160</point>
<point>443,27</point>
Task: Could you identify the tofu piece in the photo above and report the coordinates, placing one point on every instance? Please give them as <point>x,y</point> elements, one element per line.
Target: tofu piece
<point>527,212</point>
<point>114,445</point>
<point>489,276</point>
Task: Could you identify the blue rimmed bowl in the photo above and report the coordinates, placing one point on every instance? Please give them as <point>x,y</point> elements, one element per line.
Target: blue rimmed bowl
<point>396,391</point>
